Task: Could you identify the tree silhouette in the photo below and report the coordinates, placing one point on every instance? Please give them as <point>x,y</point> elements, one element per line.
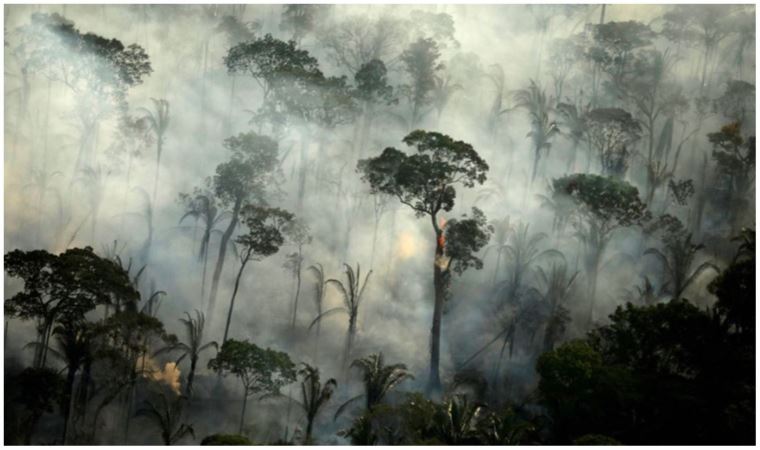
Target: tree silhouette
<point>261,371</point>
<point>264,236</point>
<point>425,182</point>
<point>352,297</point>
<point>298,233</point>
<point>167,415</point>
<point>192,348</point>
<point>314,396</point>
<point>421,64</point>
<point>598,206</point>
<point>244,178</point>
<point>378,379</point>
<point>543,130</point>
<point>158,119</point>
<point>202,205</point>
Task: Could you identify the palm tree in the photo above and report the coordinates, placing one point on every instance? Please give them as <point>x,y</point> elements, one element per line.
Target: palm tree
<point>496,75</point>
<point>574,120</point>
<point>455,421</point>
<point>557,288</point>
<point>503,229</point>
<point>378,380</point>
<point>203,207</point>
<point>522,253</point>
<point>159,122</point>
<point>534,100</point>
<point>192,348</point>
<point>314,396</point>
<point>167,415</point>
<point>351,301</point>
<point>677,261</point>
<point>442,93</point>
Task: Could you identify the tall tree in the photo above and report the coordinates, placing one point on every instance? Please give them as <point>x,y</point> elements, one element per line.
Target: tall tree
<point>421,64</point>
<point>598,206</point>
<point>244,178</point>
<point>263,237</point>
<point>297,233</point>
<point>158,119</point>
<point>426,182</point>
<point>543,130</point>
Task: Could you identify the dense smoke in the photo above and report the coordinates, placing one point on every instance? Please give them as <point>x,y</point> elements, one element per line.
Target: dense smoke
<point>75,178</point>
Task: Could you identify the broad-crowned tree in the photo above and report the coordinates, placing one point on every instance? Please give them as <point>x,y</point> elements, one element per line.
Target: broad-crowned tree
<point>598,206</point>
<point>261,371</point>
<point>421,64</point>
<point>426,182</point>
<point>63,286</point>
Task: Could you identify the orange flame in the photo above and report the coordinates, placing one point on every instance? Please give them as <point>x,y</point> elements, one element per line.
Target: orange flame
<point>442,236</point>
<point>169,375</point>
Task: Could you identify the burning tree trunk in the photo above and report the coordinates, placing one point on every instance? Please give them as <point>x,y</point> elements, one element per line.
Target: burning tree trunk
<point>440,274</point>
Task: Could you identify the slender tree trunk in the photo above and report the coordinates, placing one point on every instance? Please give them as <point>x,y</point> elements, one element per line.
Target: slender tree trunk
<point>220,259</point>
<point>232,300</point>
<point>66,401</point>
<point>349,342</point>
<point>191,376</point>
<point>159,149</point>
<point>302,172</point>
<point>242,414</point>
<point>298,290</point>
<point>203,278</point>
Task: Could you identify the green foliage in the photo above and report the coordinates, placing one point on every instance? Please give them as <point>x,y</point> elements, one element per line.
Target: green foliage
<point>421,64</point>
<point>262,371</point>
<point>249,172</point>
<point>314,396</point>
<point>613,132</point>
<point>272,62</point>
<point>372,83</point>
<point>608,202</point>
<point>425,181</point>
<point>265,230</point>
<point>464,238</point>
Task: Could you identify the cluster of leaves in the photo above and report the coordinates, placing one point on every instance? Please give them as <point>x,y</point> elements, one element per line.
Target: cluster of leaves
<point>666,373</point>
